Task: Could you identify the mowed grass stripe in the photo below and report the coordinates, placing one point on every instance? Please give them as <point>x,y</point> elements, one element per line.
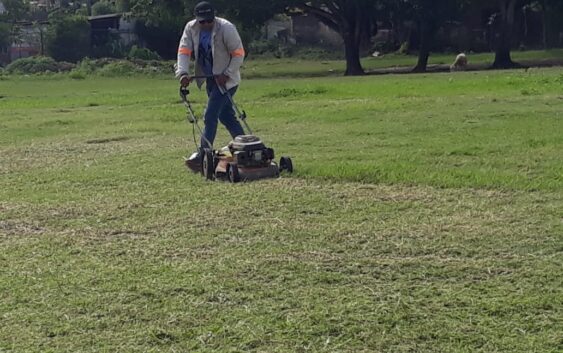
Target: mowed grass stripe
<point>425,215</point>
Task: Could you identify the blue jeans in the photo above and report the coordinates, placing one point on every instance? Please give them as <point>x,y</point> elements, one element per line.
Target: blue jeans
<point>219,108</point>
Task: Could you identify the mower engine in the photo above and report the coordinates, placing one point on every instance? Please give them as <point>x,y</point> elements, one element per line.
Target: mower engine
<point>249,151</point>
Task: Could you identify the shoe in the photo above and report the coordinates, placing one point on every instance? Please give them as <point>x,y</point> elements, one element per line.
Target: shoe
<point>194,162</point>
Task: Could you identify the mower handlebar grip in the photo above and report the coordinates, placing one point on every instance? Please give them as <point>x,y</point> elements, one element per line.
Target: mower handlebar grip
<point>184,91</point>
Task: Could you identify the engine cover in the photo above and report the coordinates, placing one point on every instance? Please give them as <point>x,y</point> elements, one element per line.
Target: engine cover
<point>246,143</point>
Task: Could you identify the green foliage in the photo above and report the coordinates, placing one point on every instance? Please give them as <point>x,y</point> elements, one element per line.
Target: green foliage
<point>16,10</point>
<point>270,48</point>
<point>118,69</point>
<point>103,7</point>
<point>162,37</point>
<point>404,48</point>
<point>142,54</point>
<point>37,64</point>
<point>87,66</point>
<point>263,47</point>
<point>77,75</point>
<point>123,5</point>
<point>108,67</point>
<point>163,20</point>
<point>108,45</point>
<point>68,38</point>
<point>5,35</point>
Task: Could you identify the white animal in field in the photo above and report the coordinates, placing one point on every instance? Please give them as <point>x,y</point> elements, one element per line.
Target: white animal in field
<point>460,63</point>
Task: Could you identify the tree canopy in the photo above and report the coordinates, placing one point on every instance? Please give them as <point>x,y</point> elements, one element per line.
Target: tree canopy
<point>356,21</point>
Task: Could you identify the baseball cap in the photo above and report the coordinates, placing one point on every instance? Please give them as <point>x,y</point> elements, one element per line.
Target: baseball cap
<point>204,11</point>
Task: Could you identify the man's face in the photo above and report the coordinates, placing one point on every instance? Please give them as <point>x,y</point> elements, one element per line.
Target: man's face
<point>207,25</point>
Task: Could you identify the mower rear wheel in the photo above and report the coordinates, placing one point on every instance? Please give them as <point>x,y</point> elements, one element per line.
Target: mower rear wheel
<point>208,165</point>
<point>286,164</point>
<point>233,174</point>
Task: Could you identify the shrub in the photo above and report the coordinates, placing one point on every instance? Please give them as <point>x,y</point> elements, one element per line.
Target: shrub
<point>77,75</point>
<point>87,66</point>
<point>37,64</point>
<point>404,48</point>
<point>118,68</point>
<point>263,48</point>
<point>142,54</point>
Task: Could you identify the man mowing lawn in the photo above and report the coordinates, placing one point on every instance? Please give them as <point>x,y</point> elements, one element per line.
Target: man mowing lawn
<point>214,45</point>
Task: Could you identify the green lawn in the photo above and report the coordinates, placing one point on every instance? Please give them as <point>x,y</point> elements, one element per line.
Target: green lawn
<point>290,67</point>
<point>425,215</point>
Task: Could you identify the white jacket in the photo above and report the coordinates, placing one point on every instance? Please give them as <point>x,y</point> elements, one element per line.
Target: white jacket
<point>227,50</point>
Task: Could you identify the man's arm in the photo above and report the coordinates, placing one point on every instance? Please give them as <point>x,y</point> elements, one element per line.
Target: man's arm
<point>236,50</point>
<point>185,51</point>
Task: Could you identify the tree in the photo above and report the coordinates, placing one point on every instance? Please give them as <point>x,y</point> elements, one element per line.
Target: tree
<point>103,8</point>
<point>162,21</point>
<point>123,5</point>
<point>429,16</point>
<point>505,23</point>
<point>355,20</point>
<point>552,11</point>
<point>160,24</point>
<point>68,38</point>
<point>15,10</point>
<point>5,35</point>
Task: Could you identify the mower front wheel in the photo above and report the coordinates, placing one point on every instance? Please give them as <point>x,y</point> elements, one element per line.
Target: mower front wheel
<point>233,173</point>
<point>208,165</point>
<point>286,165</point>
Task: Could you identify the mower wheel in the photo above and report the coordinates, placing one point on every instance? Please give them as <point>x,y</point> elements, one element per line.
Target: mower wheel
<point>286,164</point>
<point>232,172</point>
<point>208,165</point>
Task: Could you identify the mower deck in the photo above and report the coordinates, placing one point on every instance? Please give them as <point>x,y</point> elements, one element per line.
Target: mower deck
<point>245,158</point>
<point>240,161</point>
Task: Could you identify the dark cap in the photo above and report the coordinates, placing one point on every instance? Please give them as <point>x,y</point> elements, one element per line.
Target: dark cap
<point>204,11</point>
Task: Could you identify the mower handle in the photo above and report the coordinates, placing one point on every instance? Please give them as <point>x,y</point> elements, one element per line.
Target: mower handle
<point>201,77</point>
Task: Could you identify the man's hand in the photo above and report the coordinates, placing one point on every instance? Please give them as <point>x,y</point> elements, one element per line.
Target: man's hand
<point>221,80</point>
<point>185,80</point>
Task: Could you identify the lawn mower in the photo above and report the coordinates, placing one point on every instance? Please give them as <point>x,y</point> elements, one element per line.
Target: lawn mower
<point>245,158</point>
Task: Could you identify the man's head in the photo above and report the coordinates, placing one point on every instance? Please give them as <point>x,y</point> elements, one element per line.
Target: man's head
<point>205,15</point>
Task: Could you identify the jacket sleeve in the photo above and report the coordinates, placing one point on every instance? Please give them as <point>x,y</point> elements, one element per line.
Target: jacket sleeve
<point>185,51</point>
<point>236,50</point>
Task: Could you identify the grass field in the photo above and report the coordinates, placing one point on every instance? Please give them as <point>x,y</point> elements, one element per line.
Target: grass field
<point>291,67</point>
<point>425,215</point>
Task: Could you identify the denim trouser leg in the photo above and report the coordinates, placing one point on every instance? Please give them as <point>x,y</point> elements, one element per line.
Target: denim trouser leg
<point>219,108</point>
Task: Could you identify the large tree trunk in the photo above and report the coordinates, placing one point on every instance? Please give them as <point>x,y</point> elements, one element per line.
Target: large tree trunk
<point>352,49</point>
<point>424,50</point>
<point>545,21</point>
<point>352,32</point>
<point>352,20</point>
<point>504,40</point>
